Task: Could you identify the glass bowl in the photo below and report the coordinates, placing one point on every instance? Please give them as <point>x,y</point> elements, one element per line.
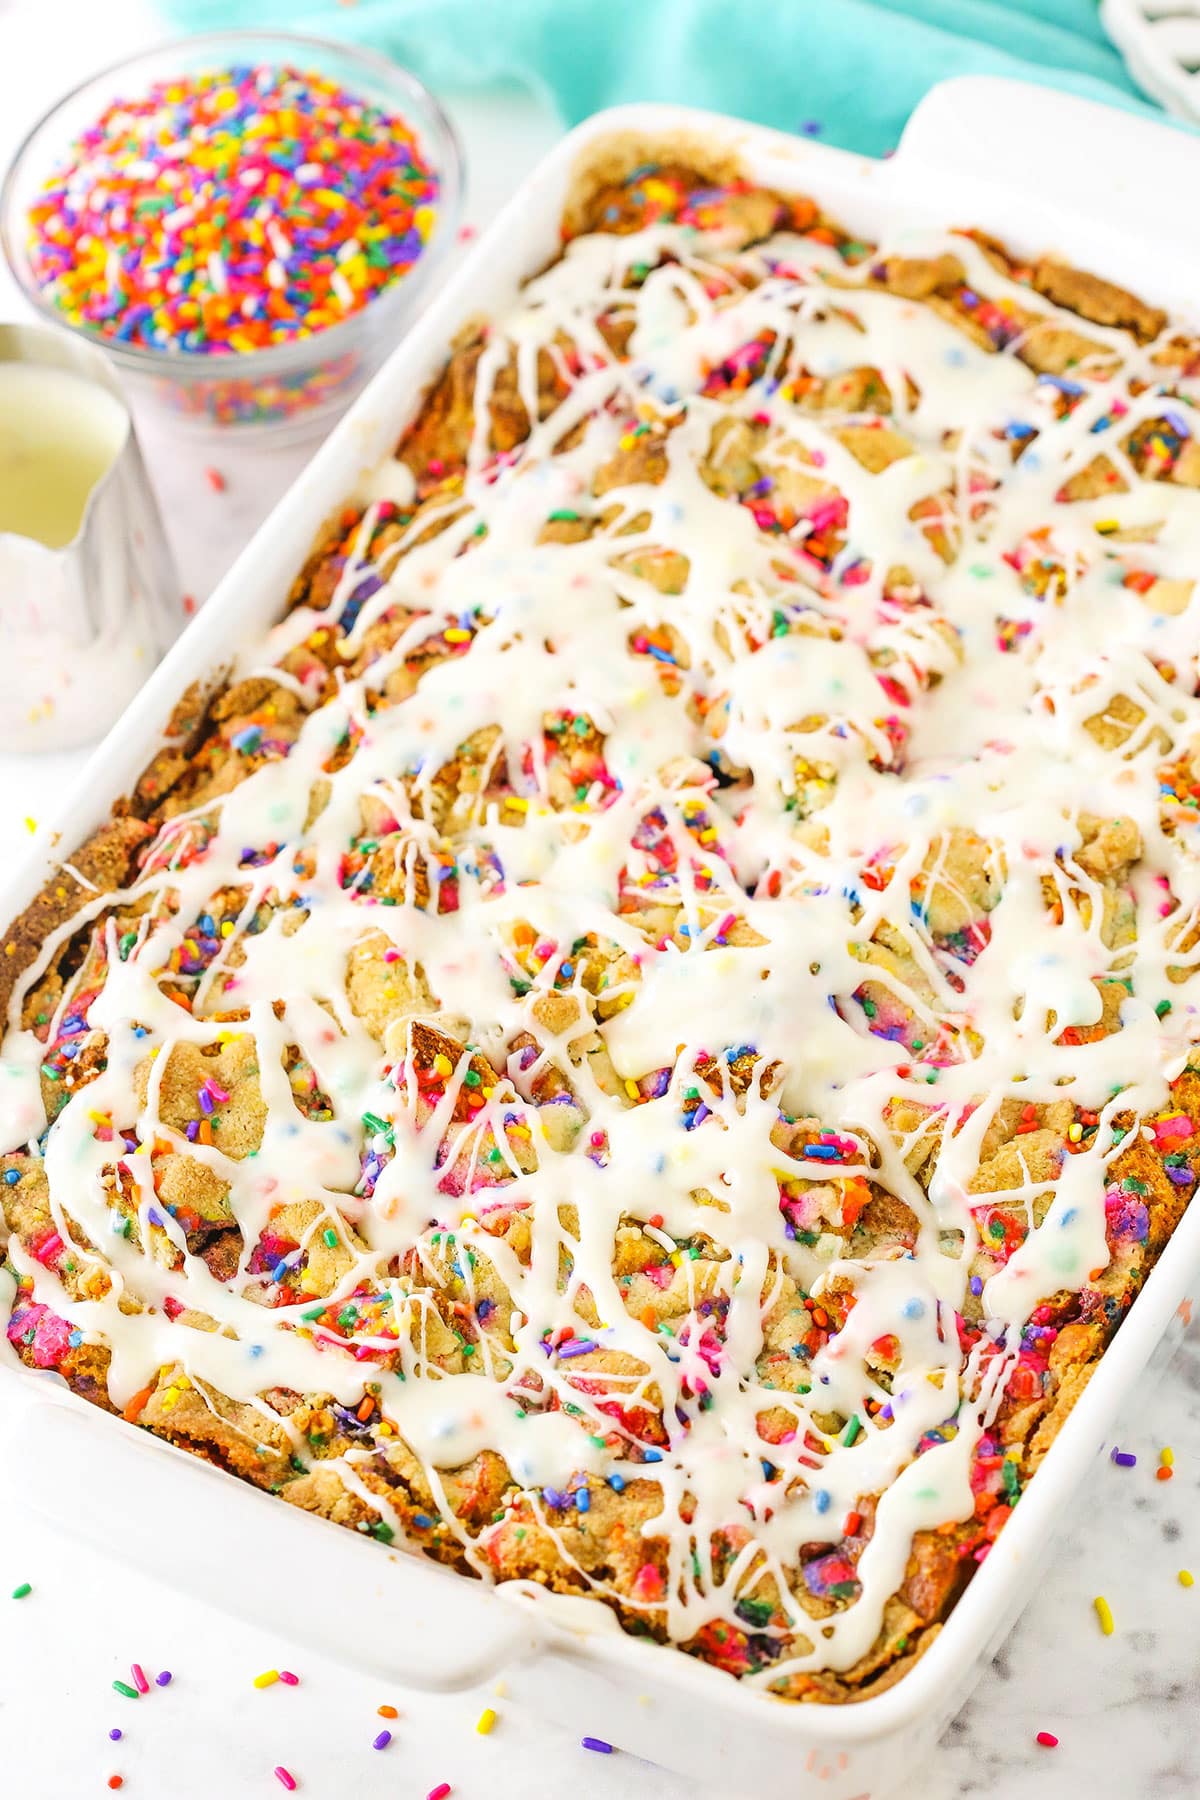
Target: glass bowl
<point>286,390</point>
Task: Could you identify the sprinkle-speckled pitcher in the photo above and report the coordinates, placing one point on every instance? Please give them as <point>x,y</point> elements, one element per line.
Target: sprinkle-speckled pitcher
<point>89,599</point>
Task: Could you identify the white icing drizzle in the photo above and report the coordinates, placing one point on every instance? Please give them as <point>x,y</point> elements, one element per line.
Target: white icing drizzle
<point>863,721</point>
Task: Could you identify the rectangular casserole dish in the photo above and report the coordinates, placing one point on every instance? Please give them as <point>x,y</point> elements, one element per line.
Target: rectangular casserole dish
<point>587,1673</point>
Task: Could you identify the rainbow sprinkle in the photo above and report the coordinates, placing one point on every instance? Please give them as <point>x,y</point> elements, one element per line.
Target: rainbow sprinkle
<point>1104,1614</point>
<point>296,204</point>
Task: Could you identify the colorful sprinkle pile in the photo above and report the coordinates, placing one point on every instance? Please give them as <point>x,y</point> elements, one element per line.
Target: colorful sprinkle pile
<point>231,211</point>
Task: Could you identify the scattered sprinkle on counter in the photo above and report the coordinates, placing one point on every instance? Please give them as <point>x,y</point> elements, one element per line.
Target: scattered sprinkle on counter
<point>164,1678</point>
<point>116,1734</point>
<point>285,1778</point>
<point>139,1678</point>
<point>381,1741</point>
<point>388,1712</point>
<point>1166,1464</point>
<point>1104,1614</point>
<point>1124,1459</point>
<point>116,1781</point>
<point>598,1744</point>
<point>288,1679</point>
<point>297,203</point>
<point>267,1679</point>
<point>23,1590</point>
<point>439,1792</point>
<point>1186,1578</point>
<point>123,1687</point>
<point>486,1720</point>
<point>215,480</point>
<point>1048,1739</point>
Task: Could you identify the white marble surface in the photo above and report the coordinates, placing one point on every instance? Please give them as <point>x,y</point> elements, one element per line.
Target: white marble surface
<point>1123,1707</point>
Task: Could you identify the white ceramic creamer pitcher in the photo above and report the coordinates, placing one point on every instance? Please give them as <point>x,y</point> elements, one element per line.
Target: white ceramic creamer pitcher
<point>89,599</point>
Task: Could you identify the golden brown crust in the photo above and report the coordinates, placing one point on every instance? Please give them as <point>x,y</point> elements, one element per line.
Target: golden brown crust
<point>105,862</point>
<point>1100,301</point>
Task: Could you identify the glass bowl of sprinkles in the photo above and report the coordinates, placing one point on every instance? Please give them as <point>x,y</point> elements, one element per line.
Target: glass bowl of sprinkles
<point>245,221</point>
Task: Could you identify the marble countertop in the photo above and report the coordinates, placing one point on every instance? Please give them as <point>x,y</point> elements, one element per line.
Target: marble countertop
<point>1123,1707</point>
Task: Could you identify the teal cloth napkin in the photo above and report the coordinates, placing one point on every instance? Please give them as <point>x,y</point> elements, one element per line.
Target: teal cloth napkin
<point>850,70</point>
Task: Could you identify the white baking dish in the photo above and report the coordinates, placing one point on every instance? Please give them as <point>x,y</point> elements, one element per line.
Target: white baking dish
<point>1043,171</point>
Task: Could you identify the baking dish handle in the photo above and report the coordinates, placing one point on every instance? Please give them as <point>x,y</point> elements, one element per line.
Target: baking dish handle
<point>128,1494</point>
<point>1099,166</point>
